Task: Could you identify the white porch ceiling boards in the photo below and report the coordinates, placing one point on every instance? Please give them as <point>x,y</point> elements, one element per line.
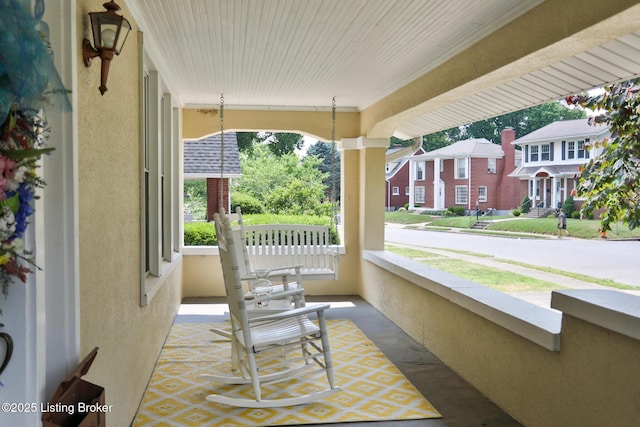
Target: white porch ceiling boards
<point>301,53</point>
<point>298,54</point>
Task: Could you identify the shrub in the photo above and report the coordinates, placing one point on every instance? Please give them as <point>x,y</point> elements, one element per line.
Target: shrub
<point>200,234</point>
<point>575,215</point>
<point>456,210</point>
<point>516,212</point>
<point>406,206</point>
<point>248,203</point>
<point>569,207</point>
<point>526,205</point>
<point>402,209</point>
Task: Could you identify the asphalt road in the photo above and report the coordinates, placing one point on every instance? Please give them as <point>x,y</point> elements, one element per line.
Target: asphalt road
<point>608,259</point>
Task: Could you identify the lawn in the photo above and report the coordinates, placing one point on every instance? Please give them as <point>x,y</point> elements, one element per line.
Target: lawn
<point>584,229</point>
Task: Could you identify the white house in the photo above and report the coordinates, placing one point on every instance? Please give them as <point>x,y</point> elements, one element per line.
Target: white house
<point>552,156</point>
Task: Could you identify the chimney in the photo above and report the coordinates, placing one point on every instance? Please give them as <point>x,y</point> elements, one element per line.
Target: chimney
<point>508,136</point>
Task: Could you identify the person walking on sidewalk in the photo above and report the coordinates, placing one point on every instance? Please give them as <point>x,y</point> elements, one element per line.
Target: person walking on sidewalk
<point>562,223</point>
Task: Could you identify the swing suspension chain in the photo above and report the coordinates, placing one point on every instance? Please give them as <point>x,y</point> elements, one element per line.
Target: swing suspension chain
<point>334,210</point>
<point>221,186</point>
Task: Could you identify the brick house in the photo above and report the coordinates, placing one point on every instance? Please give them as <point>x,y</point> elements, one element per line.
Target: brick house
<point>203,160</point>
<point>473,173</point>
<point>552,156</point>
<point>397,180</point>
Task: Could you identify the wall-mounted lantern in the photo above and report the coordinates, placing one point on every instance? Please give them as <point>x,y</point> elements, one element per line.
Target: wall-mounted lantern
<point>110,31</point>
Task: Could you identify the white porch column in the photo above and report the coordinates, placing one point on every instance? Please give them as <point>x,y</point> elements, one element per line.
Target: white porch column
<point>436,184</point>
<point>412,181</point>
<point>534,193</point>
<point>554,192</point>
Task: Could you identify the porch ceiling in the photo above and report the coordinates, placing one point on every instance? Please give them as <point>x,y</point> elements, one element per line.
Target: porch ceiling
<point>411,67</point>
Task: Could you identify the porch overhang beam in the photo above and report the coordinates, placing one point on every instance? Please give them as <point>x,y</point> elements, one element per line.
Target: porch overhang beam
<point>200,122</point>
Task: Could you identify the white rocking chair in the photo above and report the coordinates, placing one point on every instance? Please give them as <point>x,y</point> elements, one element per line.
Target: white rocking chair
<point>269,334</point>
<point>248,273</point>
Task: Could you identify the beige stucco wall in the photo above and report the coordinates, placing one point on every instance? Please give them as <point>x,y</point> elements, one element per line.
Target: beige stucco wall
<point>109,173</point>
<point>202,277</point>
<point>592,381</point>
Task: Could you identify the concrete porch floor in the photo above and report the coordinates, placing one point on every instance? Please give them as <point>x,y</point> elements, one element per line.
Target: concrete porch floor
<point>460,404</point>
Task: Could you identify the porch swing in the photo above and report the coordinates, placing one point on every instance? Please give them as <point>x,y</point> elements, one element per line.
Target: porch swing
<point>276,246</point>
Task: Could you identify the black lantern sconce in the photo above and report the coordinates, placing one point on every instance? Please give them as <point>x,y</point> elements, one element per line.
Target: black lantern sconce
<point>110,31</point>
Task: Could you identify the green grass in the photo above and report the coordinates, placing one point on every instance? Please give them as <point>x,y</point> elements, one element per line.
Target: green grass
<point>494,278</point>
<point>583,229</point>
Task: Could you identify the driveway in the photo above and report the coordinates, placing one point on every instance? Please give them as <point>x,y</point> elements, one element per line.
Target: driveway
<point>607,259</point>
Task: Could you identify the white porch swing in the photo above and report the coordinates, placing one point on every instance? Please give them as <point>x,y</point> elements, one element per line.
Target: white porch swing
<point>276,246</point>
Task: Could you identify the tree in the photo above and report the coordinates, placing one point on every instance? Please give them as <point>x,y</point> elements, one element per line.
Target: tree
<point>523,121</point>
<point>282,184</point>
<point>246,141</point>
<point>281,143</point>
<point>611,181</point>
<point>323,151</point>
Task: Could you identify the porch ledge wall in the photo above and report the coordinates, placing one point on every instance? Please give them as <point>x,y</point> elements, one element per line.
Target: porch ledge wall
<point>543,367</point>
<point>537,324</point>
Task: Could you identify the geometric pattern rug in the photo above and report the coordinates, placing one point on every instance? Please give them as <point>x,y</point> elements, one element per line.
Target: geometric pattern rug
<point>373,388</point>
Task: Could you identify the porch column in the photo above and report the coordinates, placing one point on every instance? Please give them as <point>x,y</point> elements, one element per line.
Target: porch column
<point>436,183</point>
<point>371,166</point>
<point>534,195</point>
<point>554,192</point>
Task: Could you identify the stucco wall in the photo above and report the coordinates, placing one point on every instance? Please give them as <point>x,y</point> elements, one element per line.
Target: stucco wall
<point>129,336</point>
<point>591,381</point>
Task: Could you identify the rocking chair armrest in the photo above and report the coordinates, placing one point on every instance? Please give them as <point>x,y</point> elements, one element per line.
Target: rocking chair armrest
<point>276,295</point>
<point>285,269</point>
<point>313,308</point>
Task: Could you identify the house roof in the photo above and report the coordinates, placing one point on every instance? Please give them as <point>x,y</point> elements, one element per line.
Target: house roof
<point>202,157</point>
<point>552,170</point>
<point>480,147</point>
<point>565,129</point>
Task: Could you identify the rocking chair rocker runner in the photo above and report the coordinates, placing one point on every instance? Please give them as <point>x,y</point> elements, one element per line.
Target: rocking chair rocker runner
<point>267,335</point>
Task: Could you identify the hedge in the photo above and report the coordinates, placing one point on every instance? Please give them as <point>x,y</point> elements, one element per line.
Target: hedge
<point>204,234</point>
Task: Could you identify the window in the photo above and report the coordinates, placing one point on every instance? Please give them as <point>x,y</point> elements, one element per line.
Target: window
<point>491,165</point>
<point>583,149</point>
<point>544,152</point>
<point>534,153</point>
<point>419,194</point>
<point>462,195</point>
<point>571,150</point>
<point>461,168</point>
<point>482,193</point>
<point>420,171</point>
<point>159,184</point>
<point>406,191</point>
<point>395,191</point>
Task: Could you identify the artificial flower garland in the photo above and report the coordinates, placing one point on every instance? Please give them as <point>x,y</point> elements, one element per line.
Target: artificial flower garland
<point>22,139</point>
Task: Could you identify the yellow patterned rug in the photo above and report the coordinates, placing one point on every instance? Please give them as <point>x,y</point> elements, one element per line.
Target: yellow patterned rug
<point>374,389</point>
